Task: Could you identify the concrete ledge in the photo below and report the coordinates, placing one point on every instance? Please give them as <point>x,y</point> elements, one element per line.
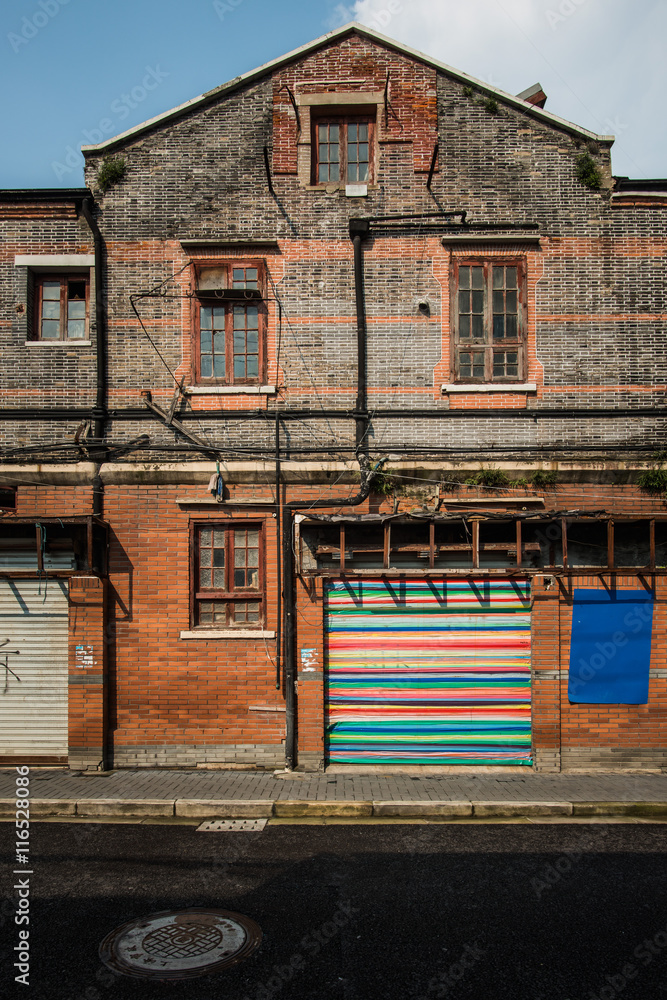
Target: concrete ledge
<point>125,807</point>
<point>422,809</point>
<point>296,808</point>
<point>224,808</point>
<point>619,808</point>
<point>53,807</point>
<point>487,809</point>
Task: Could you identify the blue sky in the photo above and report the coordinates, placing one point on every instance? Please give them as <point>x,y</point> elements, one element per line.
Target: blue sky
<point>72,70</point>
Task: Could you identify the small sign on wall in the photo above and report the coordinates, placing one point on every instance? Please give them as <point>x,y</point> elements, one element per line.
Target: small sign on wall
<point>308,660</point>
<point>83,657</point>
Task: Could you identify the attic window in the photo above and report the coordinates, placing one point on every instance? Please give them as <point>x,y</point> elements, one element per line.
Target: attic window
<point>342,149</point>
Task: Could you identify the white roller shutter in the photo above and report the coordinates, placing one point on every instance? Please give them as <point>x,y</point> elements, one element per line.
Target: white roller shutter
<point>33,710</point>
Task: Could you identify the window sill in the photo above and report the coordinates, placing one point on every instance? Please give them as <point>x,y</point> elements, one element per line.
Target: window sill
<point>449,387</point>
<point>57,343</point>
<point>230,390</point>
<point>228,633</point>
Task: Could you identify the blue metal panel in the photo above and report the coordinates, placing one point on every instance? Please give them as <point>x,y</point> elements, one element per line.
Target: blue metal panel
<point>610,652</point>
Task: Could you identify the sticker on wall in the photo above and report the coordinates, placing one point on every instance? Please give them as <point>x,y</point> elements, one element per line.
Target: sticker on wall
<point>610,653</point>
<point>308,660</point>
<point>83,657</point>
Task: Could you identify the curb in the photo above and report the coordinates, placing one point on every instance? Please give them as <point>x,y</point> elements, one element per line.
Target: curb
<point>300,808</point>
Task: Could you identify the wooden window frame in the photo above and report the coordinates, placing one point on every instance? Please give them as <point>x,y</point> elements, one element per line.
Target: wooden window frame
<point>64,279</point>
<point>343,120</point>
<point>229,298</point>
<point>229,596</point>
<point>487,344</point>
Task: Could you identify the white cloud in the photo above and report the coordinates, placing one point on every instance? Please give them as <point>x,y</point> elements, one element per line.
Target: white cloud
<point>600,61</point>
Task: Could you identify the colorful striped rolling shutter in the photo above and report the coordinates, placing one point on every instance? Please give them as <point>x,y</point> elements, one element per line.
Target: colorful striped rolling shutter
<point>430,671</point>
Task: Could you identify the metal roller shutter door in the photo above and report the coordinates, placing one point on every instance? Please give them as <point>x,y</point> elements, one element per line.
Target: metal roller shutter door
<point>429,671</point>
<point>33,711</point>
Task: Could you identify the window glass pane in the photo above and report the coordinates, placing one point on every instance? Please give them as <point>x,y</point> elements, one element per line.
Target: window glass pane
<point>498,327</point>
<point>322,173</point>
<point>464,327</point>
<point>206,366</point>
<point>498,302</point>
<point>498,277</point>
<point>218,557</point>
<point>219,366</point>
<point>50,329</point>
<point>219,579</point>
<point>323,133</point>
<point>218,317</point>
<point>239,579</point>
<point>477,277</point>
<point>239,367</point>
<point>253,341</point>
<point>76,329</point>
<point>464,277</point>
<point>205,537</point>
<point>238,277</point>
<point>205,341</point>
<point>205,612</point>
<point>478,302</point>
<point>252,317</point>
<point>51,310</point>
<point>205,317</point>
<point>334,169</point>
<point>204,578</point>
<point>352,131</point>
<point>511,328</point>
<point>205,557</point>
<point>478,327</point>
<point>510,302</point>
<point>240,317</point>
<point>464,301</point>
<point>253,539</point>
<point>510,277</point>
<point>363,171</point>
<point>252,367</point>
<point>76,309</point>
<point>218,538</point>
<point>218,342</point>
<point>51,290</point>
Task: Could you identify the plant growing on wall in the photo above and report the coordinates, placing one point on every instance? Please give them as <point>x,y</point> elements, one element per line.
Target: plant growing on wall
<point>488,477</point>
<point>111,172</point>
<point>654,480</point>
<point>588,173</point>
<point>541,478</point>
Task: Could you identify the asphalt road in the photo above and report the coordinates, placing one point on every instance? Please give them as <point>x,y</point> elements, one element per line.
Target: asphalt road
<point>357,912</point>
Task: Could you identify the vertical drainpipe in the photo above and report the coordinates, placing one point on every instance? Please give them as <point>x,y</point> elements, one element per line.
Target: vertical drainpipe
<point>100,408</point>
<point>358,229</point>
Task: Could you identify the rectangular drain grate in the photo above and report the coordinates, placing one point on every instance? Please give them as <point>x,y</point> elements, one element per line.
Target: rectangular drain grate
<point>220,825</point>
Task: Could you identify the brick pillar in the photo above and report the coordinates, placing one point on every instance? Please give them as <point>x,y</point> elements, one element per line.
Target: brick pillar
<point>546,675</point>
<point>87,673</point>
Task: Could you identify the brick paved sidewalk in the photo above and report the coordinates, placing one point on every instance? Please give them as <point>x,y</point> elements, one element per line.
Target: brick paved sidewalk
<point>240,785</point>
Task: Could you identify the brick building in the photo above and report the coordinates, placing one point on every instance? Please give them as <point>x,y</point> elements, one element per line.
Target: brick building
<point>334,388</point>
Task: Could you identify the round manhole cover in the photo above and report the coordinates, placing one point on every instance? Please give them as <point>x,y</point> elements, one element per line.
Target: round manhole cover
<point>178,944</point>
